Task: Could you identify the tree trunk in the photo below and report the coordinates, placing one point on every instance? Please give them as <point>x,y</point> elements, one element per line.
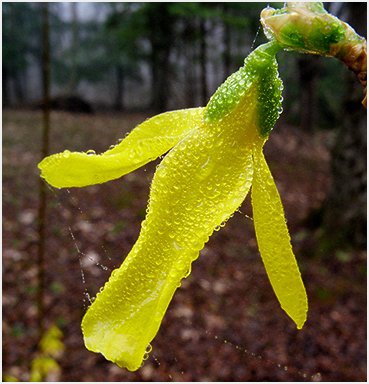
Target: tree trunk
<point>227,45</point>
<point>5,88</point>
<point>120,88</point>
<point>160,84</point>
<point>204,87</point>
<point>18,86</point>
<point>73,79</point>
<point>44,153</point>
<point>309,71</point>
<point>344,217</point>
<point>160,26</point>
<point>189,53</point>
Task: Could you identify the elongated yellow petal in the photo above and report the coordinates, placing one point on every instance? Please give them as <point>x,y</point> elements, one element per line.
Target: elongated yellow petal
<point>145,143</point>
<point>274,242</point>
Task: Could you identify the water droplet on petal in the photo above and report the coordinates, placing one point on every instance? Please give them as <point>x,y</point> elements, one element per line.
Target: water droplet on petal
<point>66,153</point>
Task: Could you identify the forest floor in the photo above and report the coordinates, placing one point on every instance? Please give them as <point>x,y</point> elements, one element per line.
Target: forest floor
<point>224,323</point>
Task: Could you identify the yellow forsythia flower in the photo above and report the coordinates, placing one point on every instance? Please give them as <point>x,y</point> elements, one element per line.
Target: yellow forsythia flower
<point>215,157</point>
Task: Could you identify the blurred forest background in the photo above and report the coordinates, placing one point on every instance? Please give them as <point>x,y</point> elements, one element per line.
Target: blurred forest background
<point>106,67</point>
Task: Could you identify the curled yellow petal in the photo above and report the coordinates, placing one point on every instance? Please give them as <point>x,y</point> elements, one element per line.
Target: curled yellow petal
<point>145,143</point>
<point>274,242</point>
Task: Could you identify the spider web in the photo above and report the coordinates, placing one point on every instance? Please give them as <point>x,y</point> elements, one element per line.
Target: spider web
<point>96,264</point>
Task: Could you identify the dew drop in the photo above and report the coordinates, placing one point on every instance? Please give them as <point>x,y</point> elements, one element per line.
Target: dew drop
<point>90,152</point>
<point>316,377</point>
<point>66,153</point>
<point>88,296</point>
<point>182,146</point>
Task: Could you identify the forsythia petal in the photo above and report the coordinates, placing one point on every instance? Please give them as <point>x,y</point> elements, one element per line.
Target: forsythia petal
<point>274,242</point>
<point>145,143</point>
